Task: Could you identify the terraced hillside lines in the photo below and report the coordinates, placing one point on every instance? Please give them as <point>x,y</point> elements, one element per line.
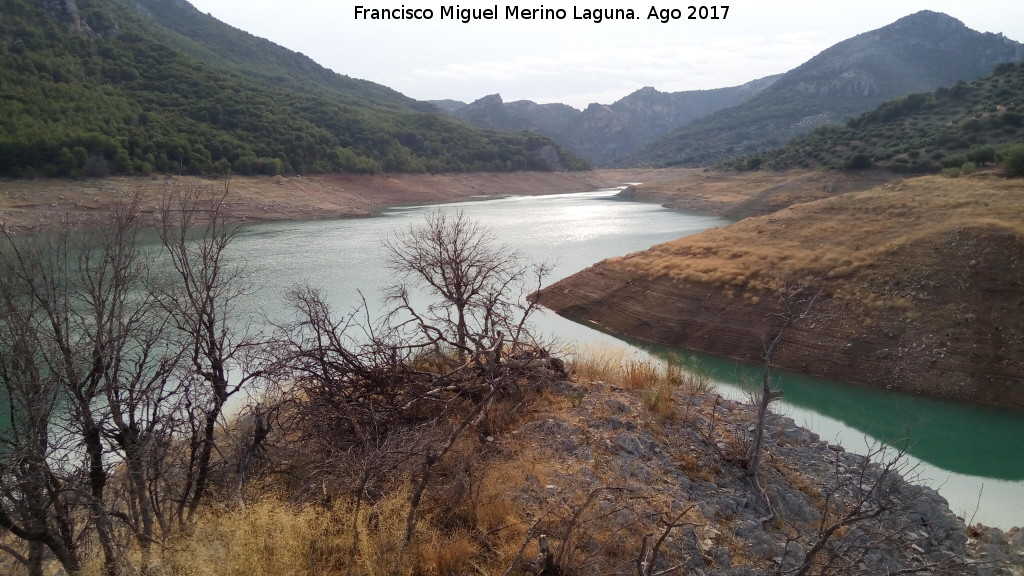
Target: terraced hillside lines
<point>924,282</point>
<point>738,195</point>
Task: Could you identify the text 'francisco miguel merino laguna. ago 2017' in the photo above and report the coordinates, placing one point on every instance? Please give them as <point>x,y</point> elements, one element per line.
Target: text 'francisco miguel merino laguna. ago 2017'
<point>595,15</point>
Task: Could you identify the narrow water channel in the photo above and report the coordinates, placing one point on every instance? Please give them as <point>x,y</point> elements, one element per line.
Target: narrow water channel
<point>971,454</point>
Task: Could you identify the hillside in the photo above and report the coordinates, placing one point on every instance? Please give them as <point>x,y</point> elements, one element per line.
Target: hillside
<point>603,132</point>
<point>917,53</point>
<point>965,124</point>
<point>91,87</point>
<point>734,194</point>
<point>623,464</point>
<point>921,282</point>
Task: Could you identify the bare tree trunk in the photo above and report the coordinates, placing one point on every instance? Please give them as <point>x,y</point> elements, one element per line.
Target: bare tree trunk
<point>261,428</point>
<point>767,397</point>
<point>798,302</point>
<point>433,458</point>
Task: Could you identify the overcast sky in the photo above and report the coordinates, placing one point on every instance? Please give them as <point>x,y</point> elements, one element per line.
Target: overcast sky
<point>577,62</point>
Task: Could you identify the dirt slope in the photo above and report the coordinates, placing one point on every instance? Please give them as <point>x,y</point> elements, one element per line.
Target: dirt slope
<point>47,203</point>
<point>924,284</point>
<point>742,194</point>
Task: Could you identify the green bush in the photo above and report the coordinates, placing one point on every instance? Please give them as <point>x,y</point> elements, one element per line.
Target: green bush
<point>859,161</point>
<point>1013,161</point>
<point>982,155</point>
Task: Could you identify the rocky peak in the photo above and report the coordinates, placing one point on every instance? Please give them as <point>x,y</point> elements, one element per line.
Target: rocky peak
<point>489,100</point>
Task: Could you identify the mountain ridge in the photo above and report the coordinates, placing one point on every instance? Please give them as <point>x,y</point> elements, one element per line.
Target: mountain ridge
<point>919,52</point>
<point>958,129</point>
<point>602,132</point>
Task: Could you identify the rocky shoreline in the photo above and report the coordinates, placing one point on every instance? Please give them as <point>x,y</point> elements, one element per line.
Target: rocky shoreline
<point>688,465</point>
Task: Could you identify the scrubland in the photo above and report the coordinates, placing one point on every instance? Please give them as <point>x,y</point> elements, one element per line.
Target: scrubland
<point>631,466</point>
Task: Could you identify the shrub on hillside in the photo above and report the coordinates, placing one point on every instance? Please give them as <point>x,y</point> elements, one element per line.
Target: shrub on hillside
<point>859,161</point>
<point>982,155</point>
<point>1013,161</point>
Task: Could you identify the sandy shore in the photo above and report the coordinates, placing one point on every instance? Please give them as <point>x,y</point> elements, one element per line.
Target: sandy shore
<point>40,204</point>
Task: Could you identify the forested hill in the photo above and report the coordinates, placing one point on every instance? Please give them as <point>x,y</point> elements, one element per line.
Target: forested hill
<point>955,129</point>
<point>96,87</point>
<point>917,53</point>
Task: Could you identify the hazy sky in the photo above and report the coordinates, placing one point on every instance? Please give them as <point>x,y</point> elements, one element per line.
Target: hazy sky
<point>578,61</point>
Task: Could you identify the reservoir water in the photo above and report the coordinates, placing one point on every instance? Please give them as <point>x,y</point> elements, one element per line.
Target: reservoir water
<point>971,454</point>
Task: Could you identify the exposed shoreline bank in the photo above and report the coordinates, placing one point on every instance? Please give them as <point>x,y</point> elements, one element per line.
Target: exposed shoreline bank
<point>50,203</point>
<point>919,280</point>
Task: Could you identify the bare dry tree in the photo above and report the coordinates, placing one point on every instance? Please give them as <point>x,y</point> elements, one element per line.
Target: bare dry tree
<point>79,309</point>
<point>224,352</point>
<point>32,505</point>
<point>870,504</point>
<point>355,382</point>
<point>403,389</point>
<point>798,302</point>
<point>474,287</point>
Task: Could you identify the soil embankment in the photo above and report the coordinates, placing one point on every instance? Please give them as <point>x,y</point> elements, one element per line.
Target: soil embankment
<point>742,194</point>
<point>923,285</point>
<point>50,203</point>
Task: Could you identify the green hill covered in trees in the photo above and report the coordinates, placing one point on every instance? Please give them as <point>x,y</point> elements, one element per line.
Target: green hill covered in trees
<point>962,127</point>
<point>96,87</point>
<point>917,53</point>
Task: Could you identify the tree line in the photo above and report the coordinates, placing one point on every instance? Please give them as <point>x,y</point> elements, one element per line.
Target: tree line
<point>129,98</point>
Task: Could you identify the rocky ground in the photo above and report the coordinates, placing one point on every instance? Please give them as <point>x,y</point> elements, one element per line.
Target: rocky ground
<point>615,475</point>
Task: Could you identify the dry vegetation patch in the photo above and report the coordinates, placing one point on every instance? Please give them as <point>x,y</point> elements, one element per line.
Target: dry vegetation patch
<point>596,486</point>
<point>848,238</point>
<point>920,282</point>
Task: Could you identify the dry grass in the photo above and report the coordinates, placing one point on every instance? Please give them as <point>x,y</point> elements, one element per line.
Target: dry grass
<point>271,537</point>
<point>842,237</point>
<point>621,366</point>
<point>266,538</point>
<point>657,380</point>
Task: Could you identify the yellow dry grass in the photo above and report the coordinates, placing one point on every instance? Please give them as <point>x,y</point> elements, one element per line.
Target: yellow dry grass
<point>836,238</point>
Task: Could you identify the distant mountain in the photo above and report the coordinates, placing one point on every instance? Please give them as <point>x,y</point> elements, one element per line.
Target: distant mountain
<point>603,132</point>
<point>917,53</point>
<point>91,87</point>
<point>448,105</point>
<point>958,129</point>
